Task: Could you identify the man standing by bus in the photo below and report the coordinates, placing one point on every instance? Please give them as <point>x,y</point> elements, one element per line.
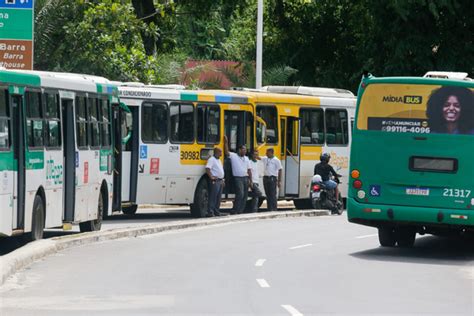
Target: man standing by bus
<point>215,172</point>
<point>271,178</point>
<point>242,173</point>
<point>255,191</point>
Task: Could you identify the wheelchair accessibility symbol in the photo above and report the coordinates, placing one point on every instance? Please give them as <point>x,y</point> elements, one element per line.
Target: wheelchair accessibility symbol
<point>375,190</point>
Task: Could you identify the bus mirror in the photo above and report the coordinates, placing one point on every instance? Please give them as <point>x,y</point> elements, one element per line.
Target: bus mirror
<point>261,131</point>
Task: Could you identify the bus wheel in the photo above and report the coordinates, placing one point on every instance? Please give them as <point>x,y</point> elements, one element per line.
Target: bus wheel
<point>387,237</point>
<point>37,222</point>
<point>303,204</point>
<point>130,210</point>
<point>201,196</point>
<point>96,224</point>
<point>406,237</point>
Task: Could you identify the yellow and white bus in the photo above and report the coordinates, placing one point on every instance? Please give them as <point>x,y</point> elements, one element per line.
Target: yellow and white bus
<point>174,132</point>
<point>56,148</point>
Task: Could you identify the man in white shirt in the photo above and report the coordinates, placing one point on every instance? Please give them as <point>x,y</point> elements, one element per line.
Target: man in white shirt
<point>271,178</point>
<point>256,193</point>
<point>215,172</point>
<point>242,173</point>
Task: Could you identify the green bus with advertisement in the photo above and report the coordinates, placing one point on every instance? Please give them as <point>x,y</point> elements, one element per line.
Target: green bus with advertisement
<point>58,157</point>
<point>412,155</point>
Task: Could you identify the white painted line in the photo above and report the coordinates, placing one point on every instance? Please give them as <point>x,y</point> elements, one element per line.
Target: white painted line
<point>260,262</point>
<point>293,311</point>
<point>366,236</point>
<point>263,283</point>
<point>301,246</point>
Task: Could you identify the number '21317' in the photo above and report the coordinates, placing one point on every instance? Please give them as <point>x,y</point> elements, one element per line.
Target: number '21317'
<point>457,193</point>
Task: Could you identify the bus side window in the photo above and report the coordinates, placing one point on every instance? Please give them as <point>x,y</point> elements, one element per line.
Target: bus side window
<point>154,123</point>
<point>53,127</point>
<point>312,126</point>
<point>181,123</point>
<point>208,123</point>
<point>82,127</point>
<point>34,120</point>
<point>4,121</point>
<point>337,127</point>
<point>270,115</point>
<point>105,123</point>
<point>94,105</point>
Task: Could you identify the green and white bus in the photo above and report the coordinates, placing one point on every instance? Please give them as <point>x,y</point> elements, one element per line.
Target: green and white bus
<point>56,151</point>
<point>412,155</point>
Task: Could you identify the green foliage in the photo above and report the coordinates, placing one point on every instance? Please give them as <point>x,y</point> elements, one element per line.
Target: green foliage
<point>310,42</point>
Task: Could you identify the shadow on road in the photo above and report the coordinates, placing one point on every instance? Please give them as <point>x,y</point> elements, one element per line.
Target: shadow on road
<point>427,250</point>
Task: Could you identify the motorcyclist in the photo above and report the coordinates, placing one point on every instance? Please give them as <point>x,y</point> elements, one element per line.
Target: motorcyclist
<point>325,170</point>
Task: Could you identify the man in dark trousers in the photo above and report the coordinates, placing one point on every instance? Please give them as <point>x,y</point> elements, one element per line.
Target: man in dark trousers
<point>242,173</point>
<point>271,178</point>
<point>215,172</point>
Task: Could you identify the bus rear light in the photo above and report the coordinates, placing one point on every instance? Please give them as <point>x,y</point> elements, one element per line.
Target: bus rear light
<point>459,216</point>
<point>361,194</point>
<point>357,184</point>
<point>355,174</point>
<point>372,210</point>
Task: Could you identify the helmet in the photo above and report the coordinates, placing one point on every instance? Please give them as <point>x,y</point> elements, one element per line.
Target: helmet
<point>325,157</point>
<point>317,179</point>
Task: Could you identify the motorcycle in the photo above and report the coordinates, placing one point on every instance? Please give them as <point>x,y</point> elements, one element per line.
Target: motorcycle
<point>324,198</point>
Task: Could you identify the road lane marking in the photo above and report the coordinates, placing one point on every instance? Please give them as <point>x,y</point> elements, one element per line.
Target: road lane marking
<point>301,246</point>
<point>366,236</point>
<point>263,283</point>
<point>260,262</point>
<point>293,311</point>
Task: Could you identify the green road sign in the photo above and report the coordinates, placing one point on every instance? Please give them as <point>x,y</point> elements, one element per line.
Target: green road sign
<point>16,24</point>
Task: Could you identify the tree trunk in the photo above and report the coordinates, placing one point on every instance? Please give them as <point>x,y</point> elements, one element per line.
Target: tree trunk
<point>145,9</point>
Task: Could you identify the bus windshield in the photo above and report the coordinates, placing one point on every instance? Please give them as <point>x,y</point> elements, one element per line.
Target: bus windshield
<point>416,108</point>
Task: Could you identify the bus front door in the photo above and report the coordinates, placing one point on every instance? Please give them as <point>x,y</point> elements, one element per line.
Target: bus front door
<point>238,127</point>
<point>18,125</point>
<point>69,162</point>
<point>290,156</point>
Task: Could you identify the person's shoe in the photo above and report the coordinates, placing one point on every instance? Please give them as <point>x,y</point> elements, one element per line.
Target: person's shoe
<point>209,215</point>
<point>220,214</point>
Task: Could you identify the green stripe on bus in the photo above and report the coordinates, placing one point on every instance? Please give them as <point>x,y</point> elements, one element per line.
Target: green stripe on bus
<point>19,79</point>
<point>35,160</point>
<point>189,96</point>
<point>6,161</point>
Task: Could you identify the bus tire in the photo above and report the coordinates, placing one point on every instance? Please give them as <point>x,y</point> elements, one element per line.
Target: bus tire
<point>130,210</point>
<point>96,224</point>
<point>406,237</point>
<point>201,196</point>
<point>37,222</point>
<point>303,204</point>
<point>387,237</point>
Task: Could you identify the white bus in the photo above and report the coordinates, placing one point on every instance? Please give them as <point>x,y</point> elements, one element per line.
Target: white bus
<point>56,151</point>
<point>174,132</point>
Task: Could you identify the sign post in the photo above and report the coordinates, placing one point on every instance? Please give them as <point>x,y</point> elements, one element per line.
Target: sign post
<point>16,34</point>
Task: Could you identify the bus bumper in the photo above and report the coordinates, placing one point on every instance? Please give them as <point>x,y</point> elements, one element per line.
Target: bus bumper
<point>378,215</point>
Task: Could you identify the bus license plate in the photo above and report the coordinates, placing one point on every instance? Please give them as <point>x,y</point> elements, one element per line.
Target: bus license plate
<point>418,191</point>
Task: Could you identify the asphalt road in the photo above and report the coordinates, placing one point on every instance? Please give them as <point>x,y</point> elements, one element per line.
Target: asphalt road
<point>144,216</point>
<point>301,266</point>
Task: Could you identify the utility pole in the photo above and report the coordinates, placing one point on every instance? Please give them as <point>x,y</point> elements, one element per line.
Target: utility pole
<point>258,83</point>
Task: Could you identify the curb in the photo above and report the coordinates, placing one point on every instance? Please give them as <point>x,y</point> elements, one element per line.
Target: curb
<point>26,255</point>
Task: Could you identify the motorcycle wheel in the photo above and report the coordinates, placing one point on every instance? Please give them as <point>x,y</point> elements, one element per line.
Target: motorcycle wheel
<point>339,206</point>
<point>316,203</point>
